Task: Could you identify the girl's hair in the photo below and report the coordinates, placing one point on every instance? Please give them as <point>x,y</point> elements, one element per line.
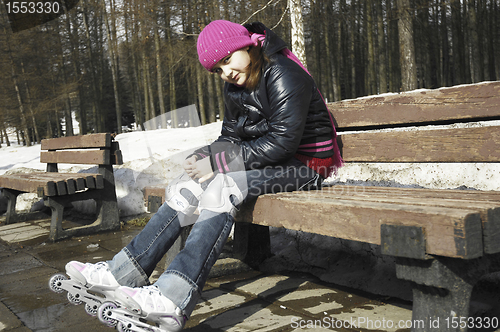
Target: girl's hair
<point>256,67</point>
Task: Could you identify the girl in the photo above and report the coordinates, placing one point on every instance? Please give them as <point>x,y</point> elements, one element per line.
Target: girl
<point>276,129</point>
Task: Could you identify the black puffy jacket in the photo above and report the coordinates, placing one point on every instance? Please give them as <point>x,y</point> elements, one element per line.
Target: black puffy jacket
<point>283,112</point>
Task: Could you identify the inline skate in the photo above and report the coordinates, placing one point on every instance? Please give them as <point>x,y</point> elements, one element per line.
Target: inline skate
<point>91,284</point>
<point>141,309</point>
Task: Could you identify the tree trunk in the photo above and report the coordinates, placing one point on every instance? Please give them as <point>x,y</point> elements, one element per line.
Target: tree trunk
<point>201,103</point>
<point>73,33</point>
<point>382,50</point>
<point>159,72</point>
<point>476,69</point>
<point>372,83</point>
<point>446,67</point>
<point>113,54</point>
<point>24,123</point>
<point>457,42</point>
<point>352,49</point>
<point>298,43</point>
<point>406,47</point>
<point>30,108</point>
<point>91,69</point>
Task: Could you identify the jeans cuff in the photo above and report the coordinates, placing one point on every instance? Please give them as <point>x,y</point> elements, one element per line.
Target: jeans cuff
<point>180,290</point>
<point>126,271</point>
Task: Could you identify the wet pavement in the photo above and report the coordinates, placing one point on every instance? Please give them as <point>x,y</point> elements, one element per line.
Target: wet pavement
<point>239,300</point>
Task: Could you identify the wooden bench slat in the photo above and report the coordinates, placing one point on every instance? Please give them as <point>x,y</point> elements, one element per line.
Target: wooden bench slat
<point>475,195</point>
<point>52,183</point>
<point>102,140</point>
<point>466,102</point>
<point>361,221</point>
<point>394,198</point>
<point>97,157</point>
<point>450,145</point>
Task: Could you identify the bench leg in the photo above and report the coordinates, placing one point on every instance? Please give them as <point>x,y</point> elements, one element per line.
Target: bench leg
<point>107,217</point>
<point>11,215</point>
<point>442,289</point>
<point>57,208</point>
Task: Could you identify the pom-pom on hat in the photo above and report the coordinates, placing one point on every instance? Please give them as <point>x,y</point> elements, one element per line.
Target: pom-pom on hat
<point>219,39</point>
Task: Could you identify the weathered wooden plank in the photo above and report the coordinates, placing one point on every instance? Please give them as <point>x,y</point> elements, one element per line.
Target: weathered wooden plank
<point>101,140</point>
<point>52,184</point>
<point>116,154</point>
<point>448,145</point>
<point>22,182</point>
<point>464,102</point>
<point>98,157</point>
<point>90,182</point>
<point>71,186</point>
<point>61,188</point>
<point>487,204</point>
<point>474,195</point>
<point>449,231</point>
<point>395,198</point>
<point>80,184</point>
<point>158,191</point>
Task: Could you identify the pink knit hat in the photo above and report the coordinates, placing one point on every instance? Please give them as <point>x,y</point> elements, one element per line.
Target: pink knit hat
<point>220,38</point>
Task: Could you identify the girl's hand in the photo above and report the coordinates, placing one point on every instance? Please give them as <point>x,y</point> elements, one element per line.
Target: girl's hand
<point>203,170</point>
<point>189,165</point>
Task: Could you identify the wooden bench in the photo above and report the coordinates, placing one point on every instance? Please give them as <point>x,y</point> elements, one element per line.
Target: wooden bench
<point>443,240</point>
<point>60,189</point>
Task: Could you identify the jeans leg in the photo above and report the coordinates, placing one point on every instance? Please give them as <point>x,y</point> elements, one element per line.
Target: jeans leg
<point>135,263</point>
<point>184,279</point>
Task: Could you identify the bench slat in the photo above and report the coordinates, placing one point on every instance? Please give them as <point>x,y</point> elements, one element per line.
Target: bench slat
<point>102,140</point>
<point>474,195</point>
<point>465,102</point>
<point>52,184</point>
<point>486,203</point>
<point>98,157</point>
<point>450,145</point>
<point>449,231</point>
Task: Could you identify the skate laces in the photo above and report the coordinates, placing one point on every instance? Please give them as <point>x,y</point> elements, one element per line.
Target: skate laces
<point>99,273</point>
<point>152,290</point>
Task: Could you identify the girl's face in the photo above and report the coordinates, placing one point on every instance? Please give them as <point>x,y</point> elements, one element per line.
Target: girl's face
<point>234,68</point>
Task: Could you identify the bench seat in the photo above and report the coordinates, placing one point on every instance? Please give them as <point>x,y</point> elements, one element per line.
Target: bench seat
<point>52,184</point>
<point>58,190</point>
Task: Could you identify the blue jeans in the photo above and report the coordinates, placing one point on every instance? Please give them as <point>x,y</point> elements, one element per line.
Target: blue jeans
<point>183,280</point>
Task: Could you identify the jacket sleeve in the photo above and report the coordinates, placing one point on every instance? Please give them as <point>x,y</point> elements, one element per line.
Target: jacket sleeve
<point>225,152</point>
<point>289,92</point>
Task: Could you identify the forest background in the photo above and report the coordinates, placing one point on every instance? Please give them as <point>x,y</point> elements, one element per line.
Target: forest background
<point>119,63</point>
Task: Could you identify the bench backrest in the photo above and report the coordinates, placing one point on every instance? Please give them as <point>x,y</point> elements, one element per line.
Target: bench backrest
<point>96,149</point>
<point>407,115</point>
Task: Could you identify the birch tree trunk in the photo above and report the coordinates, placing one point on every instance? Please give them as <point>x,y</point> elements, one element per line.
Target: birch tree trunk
<point>298,43</point>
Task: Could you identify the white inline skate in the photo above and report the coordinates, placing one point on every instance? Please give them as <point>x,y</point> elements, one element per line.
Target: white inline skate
<point>141,309</point>
<point>91,284</point>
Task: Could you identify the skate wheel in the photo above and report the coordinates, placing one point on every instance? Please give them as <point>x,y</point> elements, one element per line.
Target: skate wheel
<point>55,282</point>
<point>104,312</point>
<point>91,310</point>
<point>73,299</point>
<point>122,328</point>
